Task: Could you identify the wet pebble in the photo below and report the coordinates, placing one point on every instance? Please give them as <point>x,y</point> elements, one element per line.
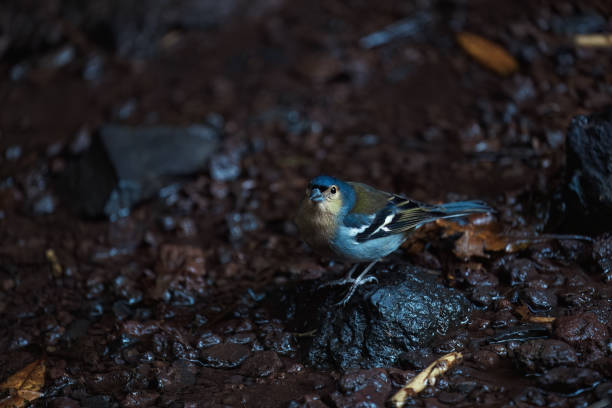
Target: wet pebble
<point>363,388</point>
<point>569,379</point>
<point>539,300</point>
<point>485,359</point>
<point>225,355</point>
<point>580,328</point>
<point>536,355</point>
<point>602,253</point>
<point>64,402</point>
<point>240,223</point>
<point>140,399</point>
<point>261,364</point>
<point>225,167</point>
<point>176,377</point>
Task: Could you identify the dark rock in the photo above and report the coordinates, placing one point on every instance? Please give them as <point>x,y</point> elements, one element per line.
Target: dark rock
<point>225,167</point>
<point>585,23</point>
<point>97,401</point>
<point>412,27</point>
<point>580,328</point>
<point>485,359</point>
<point>178,376</point>
<point>405,312</point>
<point>363,388</point>
<point>140,399</point>
<point>540,354</point>
<point>44,205</point>
<point>602,253</point>
<point>128,164</point>
<point>64,402</point>
<point>539,300</point>
<point>585,202</point>
<point>569,379</point>
<point>261,364</point>
<point>226,355</point>
<point>238,224</point>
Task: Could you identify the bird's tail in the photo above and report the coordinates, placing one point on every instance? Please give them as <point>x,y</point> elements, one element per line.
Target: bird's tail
<point>460,208</point>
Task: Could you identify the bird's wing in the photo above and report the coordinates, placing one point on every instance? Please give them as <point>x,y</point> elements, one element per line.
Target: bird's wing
<point>377,213</point>
<point>398,216</point>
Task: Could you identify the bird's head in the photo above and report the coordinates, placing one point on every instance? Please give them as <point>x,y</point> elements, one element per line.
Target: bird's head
<point>328,194</point>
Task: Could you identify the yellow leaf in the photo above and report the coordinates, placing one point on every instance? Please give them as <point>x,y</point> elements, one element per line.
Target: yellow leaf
<point>426,378</point>
<point>24,385</point>
<point>488,53</point>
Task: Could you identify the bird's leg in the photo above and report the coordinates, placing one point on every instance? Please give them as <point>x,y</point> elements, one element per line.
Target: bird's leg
<point>361,279</point>
<point>347,279</point>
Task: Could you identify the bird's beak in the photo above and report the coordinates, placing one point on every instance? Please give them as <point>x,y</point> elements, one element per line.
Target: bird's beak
<point>316,196</point>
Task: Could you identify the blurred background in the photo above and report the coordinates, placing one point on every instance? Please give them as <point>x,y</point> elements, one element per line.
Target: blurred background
<point>154,152</point>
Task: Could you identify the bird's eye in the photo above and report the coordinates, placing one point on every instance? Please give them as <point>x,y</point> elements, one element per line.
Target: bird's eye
<point>333,190</point>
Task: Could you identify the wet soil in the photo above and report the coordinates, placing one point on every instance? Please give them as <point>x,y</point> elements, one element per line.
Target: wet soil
<point>176,303</point>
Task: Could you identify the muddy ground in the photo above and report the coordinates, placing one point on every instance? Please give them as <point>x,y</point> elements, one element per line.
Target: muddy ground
<point>187,297</point>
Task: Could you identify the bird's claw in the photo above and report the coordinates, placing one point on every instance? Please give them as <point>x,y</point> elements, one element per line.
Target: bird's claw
<point>356,283</point>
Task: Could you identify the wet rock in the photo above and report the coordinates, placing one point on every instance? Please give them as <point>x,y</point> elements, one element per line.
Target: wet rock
<point>44,205</point>
<point>413,27</point>
<point>178,376</point>
<point>536,355</point>
<point>363,388</point>
<point>406,311</point>
<point>180,273</point>
<point>227,355</point>
<point>238,224</point>
<point>261,364</point>
<point>602,253</point>
<point>485,359</point>
<point>580,328</point>
<point>539,300</point>
<point>569,379</point>
<point>97,401</point>
<point>308,401</point>
<point>225,167</point>
<point>586,199</point>
<point>64,402</point>
<point>128,164</point>
<point>140,399</point>
<point>585,23</point>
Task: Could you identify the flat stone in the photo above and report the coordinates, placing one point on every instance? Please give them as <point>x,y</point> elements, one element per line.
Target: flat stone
<point>126,165</point>
<point>226,355</point>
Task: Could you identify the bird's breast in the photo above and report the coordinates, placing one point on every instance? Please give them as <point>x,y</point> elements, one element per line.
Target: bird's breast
<point>317,228</point>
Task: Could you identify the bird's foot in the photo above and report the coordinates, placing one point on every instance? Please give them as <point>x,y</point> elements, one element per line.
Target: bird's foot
<point>355,284</point>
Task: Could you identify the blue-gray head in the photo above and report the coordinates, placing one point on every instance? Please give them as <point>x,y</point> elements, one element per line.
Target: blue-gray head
<point>330,194</point>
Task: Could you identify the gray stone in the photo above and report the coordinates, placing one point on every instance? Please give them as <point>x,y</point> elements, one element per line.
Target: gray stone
<point>126,165</point>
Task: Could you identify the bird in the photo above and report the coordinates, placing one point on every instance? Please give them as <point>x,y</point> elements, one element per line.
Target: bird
<point>355,223</point>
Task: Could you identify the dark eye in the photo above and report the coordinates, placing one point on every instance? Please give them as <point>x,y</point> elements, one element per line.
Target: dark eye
<point>333,190</point>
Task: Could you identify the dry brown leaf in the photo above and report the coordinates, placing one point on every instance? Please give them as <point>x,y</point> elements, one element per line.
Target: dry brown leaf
<point>488,53</point>
<point>526,316</point>
<point>475,238</point>
<point>24,385</point>
<point>426,378</point>
<point>56,267</point>
<point>593,40</point>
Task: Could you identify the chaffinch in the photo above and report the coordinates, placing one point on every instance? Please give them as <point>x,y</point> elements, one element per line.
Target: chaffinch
<point>356,223</point>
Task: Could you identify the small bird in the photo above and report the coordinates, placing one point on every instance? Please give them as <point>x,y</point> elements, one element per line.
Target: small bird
<point>355,223</point>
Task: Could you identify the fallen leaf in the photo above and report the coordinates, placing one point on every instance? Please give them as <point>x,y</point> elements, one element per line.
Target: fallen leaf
<point>24,386</point>
<point>476,238</point>
<point>526,316</point>
<point>488,53</point>
<point>593,40</point>
<point>56,268</point>
<point>425,378</point>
